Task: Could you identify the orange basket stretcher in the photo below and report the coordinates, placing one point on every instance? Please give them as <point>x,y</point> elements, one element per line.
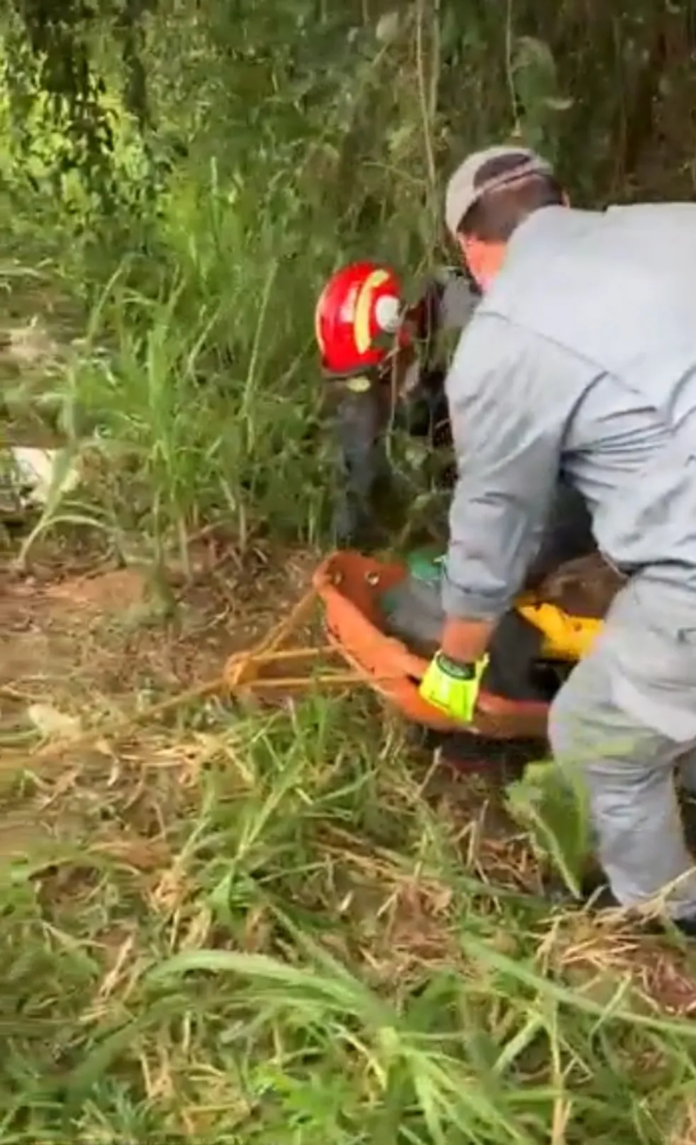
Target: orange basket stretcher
<point>350,586</point>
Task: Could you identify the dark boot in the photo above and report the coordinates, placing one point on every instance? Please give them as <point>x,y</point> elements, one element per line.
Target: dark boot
<point>598,897</point>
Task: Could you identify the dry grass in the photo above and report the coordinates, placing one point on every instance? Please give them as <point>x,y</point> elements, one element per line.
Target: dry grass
<point>297,869</point>
<point>684,1132</point>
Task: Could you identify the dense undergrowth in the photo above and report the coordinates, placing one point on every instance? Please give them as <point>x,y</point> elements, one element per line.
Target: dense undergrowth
<point>322,951</point>
<point>265,151</point>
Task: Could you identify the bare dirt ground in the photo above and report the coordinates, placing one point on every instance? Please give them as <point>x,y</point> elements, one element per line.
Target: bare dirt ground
<point>84,646</point>
<point>102,633</point>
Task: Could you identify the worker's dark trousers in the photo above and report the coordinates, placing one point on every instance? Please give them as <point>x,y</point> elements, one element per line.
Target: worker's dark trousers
<point>623,726</point>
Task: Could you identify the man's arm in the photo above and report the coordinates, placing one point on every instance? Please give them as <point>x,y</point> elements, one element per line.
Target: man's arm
<point>507,428</point>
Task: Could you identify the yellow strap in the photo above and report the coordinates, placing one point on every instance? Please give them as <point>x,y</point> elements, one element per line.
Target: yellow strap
<point>565,637</point>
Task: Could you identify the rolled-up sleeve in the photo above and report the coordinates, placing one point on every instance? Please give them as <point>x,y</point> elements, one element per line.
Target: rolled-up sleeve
<point>507,426</point>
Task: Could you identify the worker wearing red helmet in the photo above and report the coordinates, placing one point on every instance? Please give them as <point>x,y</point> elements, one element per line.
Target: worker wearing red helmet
<point>380,360</point>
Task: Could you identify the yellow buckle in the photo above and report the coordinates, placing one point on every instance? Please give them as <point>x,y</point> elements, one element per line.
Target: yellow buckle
<point>358,385</point>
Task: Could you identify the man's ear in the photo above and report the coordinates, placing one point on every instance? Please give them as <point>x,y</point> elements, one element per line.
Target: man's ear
<point>483,259</point>
<point>471,254</point>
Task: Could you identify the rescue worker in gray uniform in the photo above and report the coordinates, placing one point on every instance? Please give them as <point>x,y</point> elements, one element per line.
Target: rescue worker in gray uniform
<point>580,364</point>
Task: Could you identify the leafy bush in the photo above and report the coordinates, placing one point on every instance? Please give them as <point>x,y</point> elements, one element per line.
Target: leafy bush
<point>193,175</point>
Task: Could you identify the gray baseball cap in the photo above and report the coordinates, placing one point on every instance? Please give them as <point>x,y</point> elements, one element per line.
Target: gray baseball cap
<point>470,181</point>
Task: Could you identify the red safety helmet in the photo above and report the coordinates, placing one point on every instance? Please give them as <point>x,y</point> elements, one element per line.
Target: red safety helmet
<point>359,319</point>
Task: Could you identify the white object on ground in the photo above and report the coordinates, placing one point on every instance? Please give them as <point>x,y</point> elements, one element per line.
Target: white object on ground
<point>52,723</point>
<point>39,470</point>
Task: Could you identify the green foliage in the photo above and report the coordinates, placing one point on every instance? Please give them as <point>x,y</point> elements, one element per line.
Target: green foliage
<point>202,171</point>
<point>555,813</point>
<point>319,959</point>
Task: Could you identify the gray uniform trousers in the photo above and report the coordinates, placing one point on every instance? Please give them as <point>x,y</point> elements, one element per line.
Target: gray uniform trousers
<point>624,724</point>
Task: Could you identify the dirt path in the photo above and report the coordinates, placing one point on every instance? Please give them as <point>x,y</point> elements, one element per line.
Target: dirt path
<point>104,634</point>
<point>80,648</point>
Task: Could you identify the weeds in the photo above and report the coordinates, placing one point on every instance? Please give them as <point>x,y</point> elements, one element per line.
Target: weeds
<point>299,945</point>
<point>255,928</point>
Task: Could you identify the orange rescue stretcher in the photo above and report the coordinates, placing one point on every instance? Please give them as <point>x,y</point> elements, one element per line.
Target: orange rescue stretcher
<point>350,586</point>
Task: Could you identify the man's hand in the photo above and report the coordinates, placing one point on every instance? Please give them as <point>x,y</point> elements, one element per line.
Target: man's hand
<point>453,678</point>
<point>453,687</point>
<point>465,641</point>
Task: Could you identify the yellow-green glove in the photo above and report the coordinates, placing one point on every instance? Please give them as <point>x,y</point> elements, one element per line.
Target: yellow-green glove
<point>453,687</point>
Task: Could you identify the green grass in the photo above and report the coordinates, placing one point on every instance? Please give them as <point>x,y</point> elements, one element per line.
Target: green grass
<point>279,929</point>
<point>313,949</point>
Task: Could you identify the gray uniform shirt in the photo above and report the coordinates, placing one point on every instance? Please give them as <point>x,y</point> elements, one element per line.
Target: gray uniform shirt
<point>580,362</point>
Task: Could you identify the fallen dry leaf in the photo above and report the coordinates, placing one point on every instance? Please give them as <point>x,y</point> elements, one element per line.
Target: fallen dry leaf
<point>53,724</point>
